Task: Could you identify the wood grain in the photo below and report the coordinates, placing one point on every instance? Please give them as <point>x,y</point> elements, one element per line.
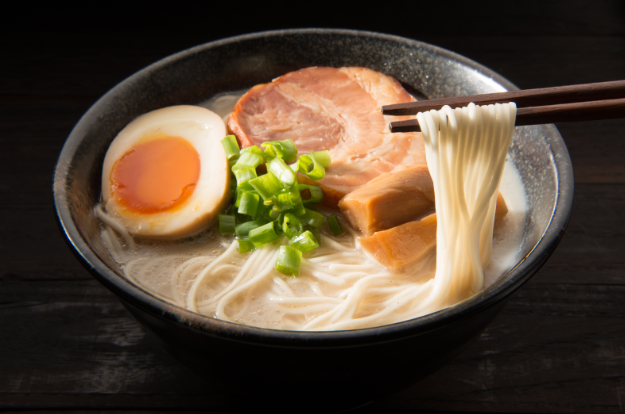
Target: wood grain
<point>67,345</point>
<point>566,325</point>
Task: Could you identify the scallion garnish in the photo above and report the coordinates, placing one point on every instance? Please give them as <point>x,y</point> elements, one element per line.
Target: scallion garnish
<point>298,210</point>
<point>238,199</point>
<point>309,166</point>
<point>250,157</point>
<point>253,149</point>
<point>226,224</point>
<point>233,188</point>
<point>264,234</point>
<point>267,186</point>
<point>304,242</point>
<point>288,149</point>
<point>248,204</point>
<point>286,175</point>
<point>243,229</point>
<point>245,245</point>
<point>296,196</point>
<point>285,150</point>
<point>291,226</point>
<point>313,193</point>
<point>273,212</point>
<point>244,174</point>
<point>316,194</point>
<point>289,259</point>
<point>284,201</point>
<point>322,157</point>
<point>312,218</point>
<point>273,204</point>
<point>231,147</point>
<point>335,225</point>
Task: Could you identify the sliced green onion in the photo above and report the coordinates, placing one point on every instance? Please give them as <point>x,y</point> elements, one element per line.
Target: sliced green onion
<point>311,193</point>
<point>273,213</point>
<point>291,226</point>
<point>260,210</point>
<point>304,163</point>
<point>284,201</point>
<point>309,166</point>
<point>233,188</point>
<point>312,218</point>
<point>245,245</point>
<point>238,200</point>
<point>231,147</point>
<point>316,194</point>
<point>298,210</point>
<point>285,150</point>
<point>282,210</point>
<point>335,225</point>
<point>269,151</point>
<point>245,186</point>
<point>244,174</point>
<point>305,193</point>
<point>264,234</point>
<point>289,259</point>
<point>296,197</point>
<point>282,171</point>
<point>268,212</point>
<point>267,186</point>
<point>304,242</point>
<point>243,229</point>
<point>242,218</point>
<point>253,149</point>
<point>322,157</point>
<point>249,203</point>
<point>288,149</point>
<point>250,157</point>
<point>226,224</point>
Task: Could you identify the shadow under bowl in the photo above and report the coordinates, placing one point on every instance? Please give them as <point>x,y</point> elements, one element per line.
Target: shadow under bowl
<point>307,371</point>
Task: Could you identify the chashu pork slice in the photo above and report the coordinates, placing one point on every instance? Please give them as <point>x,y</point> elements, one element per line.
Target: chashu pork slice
<point>390,200</point>
<point>403,245</point>
<point>406,244</point>
<point>323,108</point>
<point>395,198</point>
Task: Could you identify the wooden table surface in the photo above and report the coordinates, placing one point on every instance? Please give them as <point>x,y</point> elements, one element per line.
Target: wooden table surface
<point>68,345</point>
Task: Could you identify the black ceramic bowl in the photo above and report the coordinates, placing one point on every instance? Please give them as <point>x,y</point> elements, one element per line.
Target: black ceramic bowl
<point>306,370</point>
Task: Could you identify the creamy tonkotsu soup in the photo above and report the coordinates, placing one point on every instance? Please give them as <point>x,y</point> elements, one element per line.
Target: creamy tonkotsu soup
<point>340,284</point>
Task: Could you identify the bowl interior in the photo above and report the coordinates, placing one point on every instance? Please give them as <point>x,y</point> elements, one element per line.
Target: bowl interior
<point>197,74</point>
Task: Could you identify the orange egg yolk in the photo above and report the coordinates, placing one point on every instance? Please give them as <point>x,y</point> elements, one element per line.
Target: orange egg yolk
<point>156,176</point>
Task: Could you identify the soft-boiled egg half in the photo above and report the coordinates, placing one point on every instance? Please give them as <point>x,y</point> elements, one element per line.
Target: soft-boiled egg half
<point>166,174</point>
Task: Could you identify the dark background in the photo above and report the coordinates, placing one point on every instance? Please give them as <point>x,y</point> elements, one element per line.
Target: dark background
<point>66,344</point>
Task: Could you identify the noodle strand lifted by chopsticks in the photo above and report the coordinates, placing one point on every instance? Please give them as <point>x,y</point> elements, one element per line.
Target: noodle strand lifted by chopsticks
<point>466,151</point>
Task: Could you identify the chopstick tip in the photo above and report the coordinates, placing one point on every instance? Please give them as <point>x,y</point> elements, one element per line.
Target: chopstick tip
<point>411,125</point>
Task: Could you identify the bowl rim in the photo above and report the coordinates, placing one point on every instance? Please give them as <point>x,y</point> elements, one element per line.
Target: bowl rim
<point>136,296</point>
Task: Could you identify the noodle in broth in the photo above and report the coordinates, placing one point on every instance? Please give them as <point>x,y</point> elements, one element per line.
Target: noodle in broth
<point>341,287</point>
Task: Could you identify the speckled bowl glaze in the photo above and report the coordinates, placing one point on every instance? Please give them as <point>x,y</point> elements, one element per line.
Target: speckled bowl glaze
<point>306,371</point>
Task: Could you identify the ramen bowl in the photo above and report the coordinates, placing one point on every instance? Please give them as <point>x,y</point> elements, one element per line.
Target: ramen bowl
<point>292,370</point>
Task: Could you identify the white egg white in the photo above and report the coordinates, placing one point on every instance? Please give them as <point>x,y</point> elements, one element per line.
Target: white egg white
<point>203,129</point>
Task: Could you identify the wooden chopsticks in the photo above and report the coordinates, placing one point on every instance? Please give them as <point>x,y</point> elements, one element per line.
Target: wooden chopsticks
<point>587,102</point>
